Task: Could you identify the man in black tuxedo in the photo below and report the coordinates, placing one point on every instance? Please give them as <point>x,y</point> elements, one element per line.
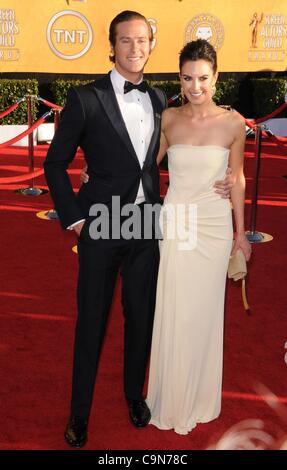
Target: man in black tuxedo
<point>118,128</point>
<point>116,121</point>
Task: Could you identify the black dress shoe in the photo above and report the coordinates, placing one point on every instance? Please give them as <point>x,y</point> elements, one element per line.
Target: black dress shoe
<point>76,431</point>
<point>139,413</point>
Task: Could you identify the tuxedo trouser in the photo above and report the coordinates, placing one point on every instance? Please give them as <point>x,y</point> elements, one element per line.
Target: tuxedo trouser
<point>99,264</point>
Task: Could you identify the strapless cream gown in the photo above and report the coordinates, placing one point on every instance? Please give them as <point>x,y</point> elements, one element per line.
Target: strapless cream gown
<point>185,378</point>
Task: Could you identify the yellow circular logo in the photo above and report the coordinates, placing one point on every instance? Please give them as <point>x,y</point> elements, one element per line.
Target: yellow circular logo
<point>205,26</point>
<point>69,34</point>
<point>153,25</point>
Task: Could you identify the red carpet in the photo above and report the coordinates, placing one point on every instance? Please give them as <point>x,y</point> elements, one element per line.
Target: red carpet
<point>37,316</point>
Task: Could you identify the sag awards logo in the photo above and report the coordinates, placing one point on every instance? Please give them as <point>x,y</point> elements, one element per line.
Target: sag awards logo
<point>9,29</point>
<point>69,34</point>
<point>205,26</point>
<point>153,25</point>
<point>268,33</point>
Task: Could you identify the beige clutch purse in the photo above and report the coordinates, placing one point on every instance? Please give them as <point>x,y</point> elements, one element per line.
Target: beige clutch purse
<point>237,269</point>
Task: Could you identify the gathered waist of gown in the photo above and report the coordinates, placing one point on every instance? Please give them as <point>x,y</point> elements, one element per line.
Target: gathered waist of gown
<point>200,198</point>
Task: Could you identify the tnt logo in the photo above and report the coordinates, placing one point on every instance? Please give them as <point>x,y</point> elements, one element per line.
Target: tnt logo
<point>69,34</point>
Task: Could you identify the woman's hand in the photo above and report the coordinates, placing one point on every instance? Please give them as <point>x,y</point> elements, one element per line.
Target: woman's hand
<point>244,245</point>
<point>223,187</point>
<point>84,177</point>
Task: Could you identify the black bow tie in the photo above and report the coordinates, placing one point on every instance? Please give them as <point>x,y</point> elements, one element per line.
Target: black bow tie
<point>128,86</point>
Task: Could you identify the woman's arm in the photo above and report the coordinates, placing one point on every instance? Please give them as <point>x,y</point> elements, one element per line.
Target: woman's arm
<point>163,140</point>
<point>84,177</point>
<point>162,149</point>
<point>236,161</point>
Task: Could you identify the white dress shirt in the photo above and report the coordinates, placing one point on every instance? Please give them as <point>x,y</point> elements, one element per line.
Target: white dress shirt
<point>137,112</point>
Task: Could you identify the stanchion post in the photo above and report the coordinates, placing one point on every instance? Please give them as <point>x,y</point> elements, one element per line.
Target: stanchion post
<point>31,191</point>
<point>252,235</point>
<point>56,118</point>
<point>52,214</point>
<point>258,141</point>
<point>30,138</point>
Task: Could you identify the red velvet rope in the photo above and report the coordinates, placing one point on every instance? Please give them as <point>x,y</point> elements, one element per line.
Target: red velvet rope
<point>281,141</point>
<point>23,134</point>
<point>173,98</point>
<point>271,115</point>
<point>278,140</point>
<point>9,110</point>
<point>26,176</point>
<point>48,103</point>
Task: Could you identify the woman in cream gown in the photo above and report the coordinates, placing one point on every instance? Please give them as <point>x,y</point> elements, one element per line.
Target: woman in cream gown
<point>201,140</point>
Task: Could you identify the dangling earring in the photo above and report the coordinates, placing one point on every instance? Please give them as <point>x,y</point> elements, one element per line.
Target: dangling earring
<point>213,90</point>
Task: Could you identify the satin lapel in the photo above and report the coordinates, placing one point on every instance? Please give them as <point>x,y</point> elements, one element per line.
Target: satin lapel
<point>157,110</point>
<point>107,97</point>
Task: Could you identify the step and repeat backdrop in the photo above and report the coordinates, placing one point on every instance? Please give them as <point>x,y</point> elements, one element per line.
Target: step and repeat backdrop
<point>71,36</point>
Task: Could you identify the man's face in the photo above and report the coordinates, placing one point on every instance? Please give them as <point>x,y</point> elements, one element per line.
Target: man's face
<point>132,48</point>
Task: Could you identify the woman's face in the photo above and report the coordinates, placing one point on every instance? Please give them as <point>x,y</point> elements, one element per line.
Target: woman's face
<point>197,80</point>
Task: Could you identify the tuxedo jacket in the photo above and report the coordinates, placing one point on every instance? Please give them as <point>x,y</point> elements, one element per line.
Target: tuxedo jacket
<point>92,120</point>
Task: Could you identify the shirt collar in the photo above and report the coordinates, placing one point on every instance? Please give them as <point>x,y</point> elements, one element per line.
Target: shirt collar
<point>118,81</point>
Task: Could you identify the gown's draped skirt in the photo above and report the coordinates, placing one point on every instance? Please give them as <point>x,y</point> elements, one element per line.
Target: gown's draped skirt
<point>185,377</point>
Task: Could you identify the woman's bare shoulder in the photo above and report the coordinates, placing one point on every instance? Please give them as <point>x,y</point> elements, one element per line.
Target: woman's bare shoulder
<point>169,112</point>
<point>168,115</point>
<point>234,120</point>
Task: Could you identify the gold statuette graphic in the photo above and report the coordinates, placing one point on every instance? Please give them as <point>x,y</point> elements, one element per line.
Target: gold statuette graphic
<point>255,21</point>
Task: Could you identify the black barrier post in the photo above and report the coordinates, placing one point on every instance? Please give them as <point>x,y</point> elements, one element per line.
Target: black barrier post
<point>56,118</point>
<point>252,235</point>
<point>52,214</point>
<point>30,140</point>
<point>31,191</point>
